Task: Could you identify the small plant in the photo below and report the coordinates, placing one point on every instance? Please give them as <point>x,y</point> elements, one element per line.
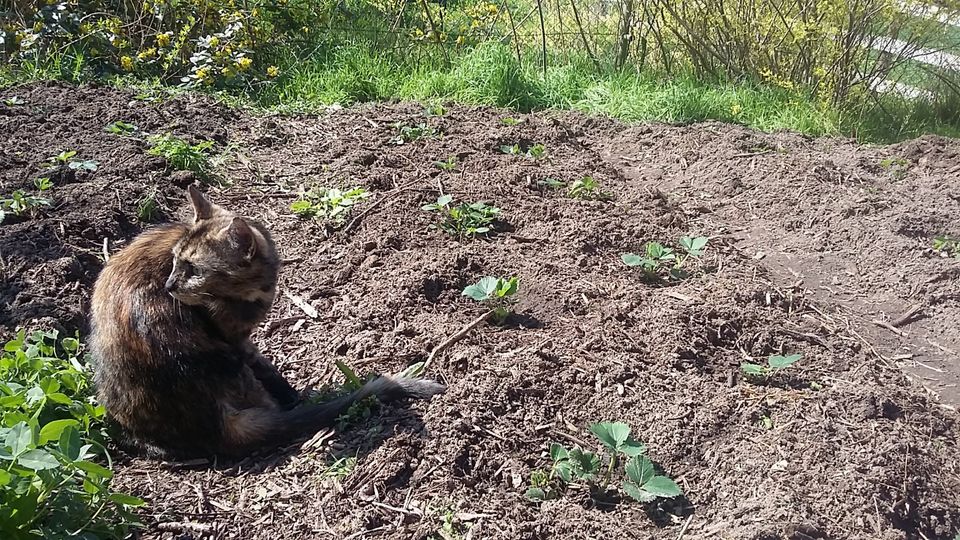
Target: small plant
<point>550,183</point>
<point>14,101</point>
<point>586,188</point>
<point>450,164</point>
<point>498,293</point>
<point>121,128</point>
<point>537,151</point>
<point>52,444</point>
<point>897,167</point>
<point>775,363</point>
<point>65,158</point>
<point>508,121</point>
<point>949,247</point>
<point>407,134</point>
<point>436,109</point>
<point>20,203</point>
<point>147,207</point>
<point>658,257</point>
<point>332,204</point>
<point>181,154</point>
<point>575,466</point>
<point>511,149</point>
<point>463,220</point>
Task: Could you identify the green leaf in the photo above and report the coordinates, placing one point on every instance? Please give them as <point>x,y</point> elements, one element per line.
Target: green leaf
<point>637,493</point>
<point>483,289</point>
<point>38,460</point>
<point>444,200</point>
<point>693,246</point>
<point>20,438</point>
<point>753,369</point>
<point>508,288</point>
<point>4,478</point>
<point>126,500</point>
<point>585,464</point>
<point>95,470</point>
<point>564,470</point>
<point>640,470</point>
<point>58,397</point>
<point>611,434</point>
<point>352,380</point>
<point>631,259</point>
<point>558,452</point>
<point>632,448</point>
<point>780,362</point>
<point>52,430</point>
<point>70,443</point>
<point>661,486</point>
<point>535,494</point>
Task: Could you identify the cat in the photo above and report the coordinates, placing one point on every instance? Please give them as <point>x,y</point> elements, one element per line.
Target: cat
<point>171,317</point>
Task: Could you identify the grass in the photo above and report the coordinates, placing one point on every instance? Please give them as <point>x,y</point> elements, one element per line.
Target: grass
<point>491,75</point>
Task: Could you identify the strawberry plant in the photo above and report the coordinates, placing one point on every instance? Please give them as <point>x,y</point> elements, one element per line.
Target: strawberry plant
<point>947,246</point>
<point>121,128</point>
<point>463,220</point>
<point>20,203</point>
<point>450,164</point>
<point>498,293</point>
<point>775,363</point>
<point>407,134</point>
<point>586,188</point>
<point>575,467</point>
<point>332,204</point>
<point>658,258</point>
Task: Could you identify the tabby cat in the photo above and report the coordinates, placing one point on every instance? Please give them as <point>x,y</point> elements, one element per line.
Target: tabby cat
<point>171,318</point>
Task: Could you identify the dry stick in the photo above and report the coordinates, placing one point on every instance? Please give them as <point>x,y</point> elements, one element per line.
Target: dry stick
<point>543,38</point>
<point>455,338</point>
<point>686,525</point>
<point>906,317</point>
<point>583,35</point>
<point>889,327</point>
<point>184,526</point>
<point>369,209</point>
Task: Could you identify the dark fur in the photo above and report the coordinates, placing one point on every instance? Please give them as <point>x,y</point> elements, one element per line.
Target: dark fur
<point>171,318</point>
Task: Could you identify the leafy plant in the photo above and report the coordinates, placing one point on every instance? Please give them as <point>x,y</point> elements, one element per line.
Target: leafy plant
<point>14,101</point>
<point>511,149</point>
<point>147,207</point>
<point>449,164</point>
<point>436,109</point>
<point>51,439</point>
<point>463,220</point>
<point>572,466</point>
<point>332,204</point>
<point>897,167</point>
<point>586,188</point>
<point>658,257</point>
<point>407,134</point>
<point>536,151</point>
<point>775,363</point>
<point>496,292</point>
<point>181,154</point>
<point>43,184</point>
<point>65,158</point>
<point>20,203</point>
<point>509,121</point>
<point>121,128</point>
<point>550,183</point>
<point>947,246</point>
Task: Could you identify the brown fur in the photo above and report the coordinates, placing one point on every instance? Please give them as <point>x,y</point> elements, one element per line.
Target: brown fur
<point>171,318</point>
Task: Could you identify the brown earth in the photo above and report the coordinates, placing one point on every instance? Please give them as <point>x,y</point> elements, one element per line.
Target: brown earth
<point>811,241</point>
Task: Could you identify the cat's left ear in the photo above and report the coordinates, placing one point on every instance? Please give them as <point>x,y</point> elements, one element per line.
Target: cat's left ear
<point>242,238</point>
<point>202,208</point>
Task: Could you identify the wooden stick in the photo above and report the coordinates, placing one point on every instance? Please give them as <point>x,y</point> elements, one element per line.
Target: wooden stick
<point>905,318</point>
<point>455,338</point>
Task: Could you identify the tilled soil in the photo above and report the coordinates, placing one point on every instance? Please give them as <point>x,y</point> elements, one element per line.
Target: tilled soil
<point>817,246</point>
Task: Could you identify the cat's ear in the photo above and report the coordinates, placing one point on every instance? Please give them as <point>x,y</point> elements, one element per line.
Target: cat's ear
<point>202,208</point>
<point>242,238</point>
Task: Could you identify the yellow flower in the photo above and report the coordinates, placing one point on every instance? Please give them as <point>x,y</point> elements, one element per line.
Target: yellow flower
<point>202,73</point>
<point>149,53</point>
<point>126,63</point>
<point>735,109</point>
<point>214,41</point>
<point>273,71</point>
<point>163,39</point>
<point>255,12</point>
<point>244,63</point>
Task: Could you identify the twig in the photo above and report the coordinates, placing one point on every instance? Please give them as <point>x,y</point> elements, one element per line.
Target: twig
<point>184,526</point>
<point>571,438</point>
<point>455,338</point>
<point>303,305</point>
<point>889,327</point>
<point>377,203</point>
<point>906,317</point>
<point>686,525</point>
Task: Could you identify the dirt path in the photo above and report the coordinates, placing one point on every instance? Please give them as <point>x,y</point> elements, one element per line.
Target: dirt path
<point>810,241</point>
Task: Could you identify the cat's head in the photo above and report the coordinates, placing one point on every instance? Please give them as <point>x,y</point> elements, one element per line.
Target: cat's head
<point>222,257</point>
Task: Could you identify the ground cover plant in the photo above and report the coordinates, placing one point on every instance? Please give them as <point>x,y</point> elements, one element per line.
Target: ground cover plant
<point>54,475</point>
<point>592,340</point>
<point>331,204</point>
<point>181,154</point>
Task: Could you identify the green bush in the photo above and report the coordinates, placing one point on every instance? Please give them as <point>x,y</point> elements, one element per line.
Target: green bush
<point>52,437</point>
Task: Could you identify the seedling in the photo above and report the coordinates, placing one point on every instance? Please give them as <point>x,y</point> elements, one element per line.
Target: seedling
<point>508,121</point>
<point>121,128</point>
<point>43,183</point>
<point>181,154</point>
<point>406,134</point>
<point>84,165</point>
<point>65,158</point>
<point>775,363</point>
<point>464,220</point>
<point>658,257</point>
<point>20,203</point>
<point>14,101</point>
<point>575,466</point>
<point>511,149</point>
<point>949,247</point>
<point>147,207</point>
<point>550,183</point>
<point>536,151</point>
<point>331,204</point>
<point>498,293</point>
<point>436,109</point>
<point>449,164</point>
<point>586,188</point>
<point>897,167</point>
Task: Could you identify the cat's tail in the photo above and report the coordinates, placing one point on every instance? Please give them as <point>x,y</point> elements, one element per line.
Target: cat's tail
<point>249,429</point>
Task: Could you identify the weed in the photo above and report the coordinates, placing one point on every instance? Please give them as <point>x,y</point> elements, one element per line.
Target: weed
<point>463,220</point>
<point>20,203</point>
<point>436,109</point>
<point>340,468</point>
<point>121,128</point>
<point>947,246</point>
<point>406,134</point>
<point>62,158</point>
<point>586,188</point>
<point>43,184</point>
<point>450,164</point>
<point>51,437</point>
<point>571,466</point>
<point>537,151</point>
<point>331,204</point>
<point>181,154</point>
<point>897,167</point>
<point>450,528</point>
<point>147,207</point>
<point>508,121</point>
<point>775,363</point>
<point>498,293</point>
<point>658,257</point>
